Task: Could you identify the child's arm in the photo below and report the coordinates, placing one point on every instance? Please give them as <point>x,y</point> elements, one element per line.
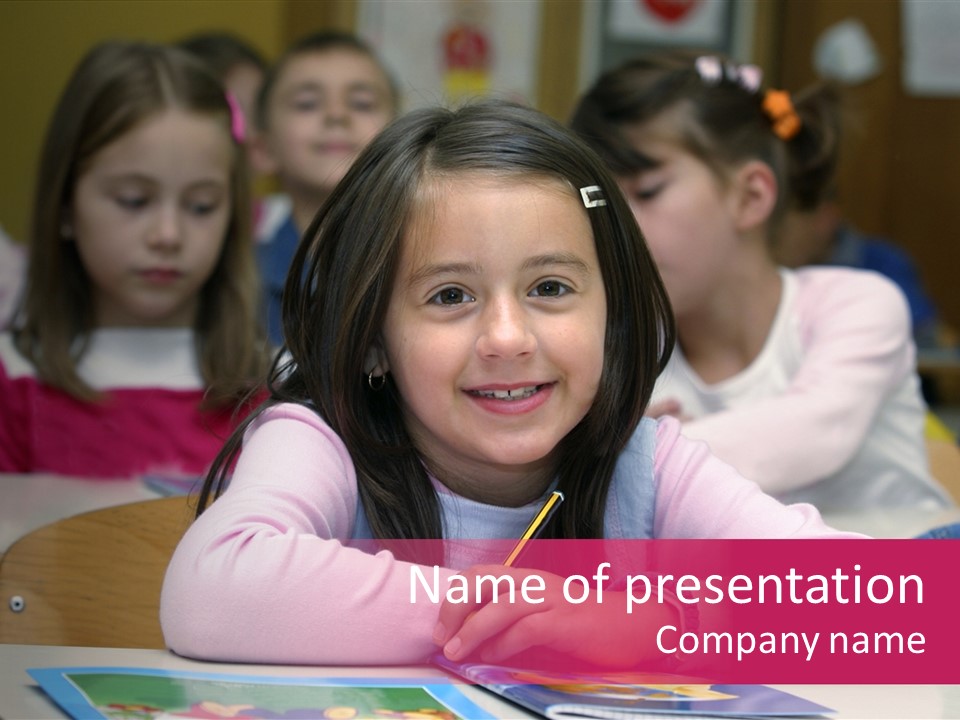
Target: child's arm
<point>263,576</point>
<point>857,357</point>
<point>701,496</point>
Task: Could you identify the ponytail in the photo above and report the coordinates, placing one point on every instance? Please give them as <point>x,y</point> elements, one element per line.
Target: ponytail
<point>813,152</point>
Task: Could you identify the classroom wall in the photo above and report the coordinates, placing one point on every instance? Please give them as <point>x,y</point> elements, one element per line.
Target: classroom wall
<point>900,161</point>
<point>42,40</point>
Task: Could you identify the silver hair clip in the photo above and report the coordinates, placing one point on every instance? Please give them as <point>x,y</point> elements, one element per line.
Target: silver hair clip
<point>592,196</point>
<point>712,70</point>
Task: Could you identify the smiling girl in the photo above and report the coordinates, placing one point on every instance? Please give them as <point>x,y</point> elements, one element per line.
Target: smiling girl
<point>137,337</point>
<point>473,322</point>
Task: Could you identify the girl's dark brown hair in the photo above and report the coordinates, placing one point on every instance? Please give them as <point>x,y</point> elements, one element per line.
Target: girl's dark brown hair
<point>722,123</point>
<point>338,289</point>
<point>115,87</point>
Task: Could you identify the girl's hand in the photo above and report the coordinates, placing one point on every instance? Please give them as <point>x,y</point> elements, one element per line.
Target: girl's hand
<point>600,634</point>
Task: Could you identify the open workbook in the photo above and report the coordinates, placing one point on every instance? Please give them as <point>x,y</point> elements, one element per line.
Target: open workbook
<point>630,696</point>
<point>126,693</point>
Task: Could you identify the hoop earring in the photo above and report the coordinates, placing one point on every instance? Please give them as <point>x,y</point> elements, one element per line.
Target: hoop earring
<point>372,381</point>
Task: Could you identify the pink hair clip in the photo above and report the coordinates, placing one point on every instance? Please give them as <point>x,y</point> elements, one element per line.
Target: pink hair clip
<point>238,126</point>
<point>712,70</point>
<point>709,69</point>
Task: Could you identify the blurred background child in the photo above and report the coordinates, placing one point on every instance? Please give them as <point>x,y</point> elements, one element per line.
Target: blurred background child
<point>320,104</point>
<point>138,333</point>
<point>818,235</point>
<point>804,380</point>
<point>240,67</point>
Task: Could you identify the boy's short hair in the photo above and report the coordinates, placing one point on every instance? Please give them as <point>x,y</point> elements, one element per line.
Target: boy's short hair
<point>319,42</point>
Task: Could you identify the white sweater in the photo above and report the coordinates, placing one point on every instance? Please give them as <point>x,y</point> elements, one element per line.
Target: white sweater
<point>830,411</point>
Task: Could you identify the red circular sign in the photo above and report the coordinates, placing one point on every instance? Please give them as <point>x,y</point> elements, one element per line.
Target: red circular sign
<point>670,10</point>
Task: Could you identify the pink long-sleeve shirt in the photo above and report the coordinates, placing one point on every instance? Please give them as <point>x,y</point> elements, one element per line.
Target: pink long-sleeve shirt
<point>266,575</point>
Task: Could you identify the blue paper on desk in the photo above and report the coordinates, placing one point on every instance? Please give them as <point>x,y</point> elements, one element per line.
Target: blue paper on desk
<point>168,485</point>
<point>631,696</point>
<point>112,693</point>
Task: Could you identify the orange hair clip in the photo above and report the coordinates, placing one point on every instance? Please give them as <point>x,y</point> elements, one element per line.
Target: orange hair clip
<point>779,108</point>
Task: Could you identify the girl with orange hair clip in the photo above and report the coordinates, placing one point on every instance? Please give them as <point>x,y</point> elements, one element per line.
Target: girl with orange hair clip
<point>805,379</point>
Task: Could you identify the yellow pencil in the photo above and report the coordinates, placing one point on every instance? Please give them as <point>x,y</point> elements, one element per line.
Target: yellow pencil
<point>536,525</point>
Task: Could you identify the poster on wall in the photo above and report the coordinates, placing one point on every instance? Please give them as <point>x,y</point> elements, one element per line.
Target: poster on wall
<point>931,53</point>
<point>446,51</point>
<point>672,22</point>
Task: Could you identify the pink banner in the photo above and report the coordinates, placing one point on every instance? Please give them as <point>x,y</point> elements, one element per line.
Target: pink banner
<point>742,611</point>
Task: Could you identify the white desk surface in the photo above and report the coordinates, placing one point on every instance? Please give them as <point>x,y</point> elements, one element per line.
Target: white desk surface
<point>893,523</point>
<point>28,502</point>
<point>22,699</point>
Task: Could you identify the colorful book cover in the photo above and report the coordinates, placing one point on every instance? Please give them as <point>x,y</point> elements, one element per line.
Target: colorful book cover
<point>631,696</point>
<point>112,693</point>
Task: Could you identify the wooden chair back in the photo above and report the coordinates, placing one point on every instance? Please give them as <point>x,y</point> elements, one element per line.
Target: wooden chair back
<point>92,579</point>
<point>944,456</point>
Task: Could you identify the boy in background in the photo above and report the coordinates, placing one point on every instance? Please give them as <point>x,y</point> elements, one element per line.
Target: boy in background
<point>819,236</point>
<point>325,98</point>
